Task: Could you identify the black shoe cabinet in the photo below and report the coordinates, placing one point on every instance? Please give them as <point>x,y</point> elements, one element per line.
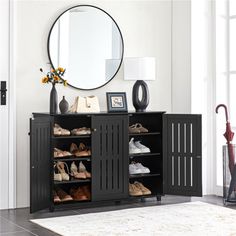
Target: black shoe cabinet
<point>174,161</point>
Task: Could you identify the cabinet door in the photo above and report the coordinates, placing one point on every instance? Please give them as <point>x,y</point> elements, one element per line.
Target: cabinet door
<point>109,157</point>
<point>182,152</point>
<point>39,163</point>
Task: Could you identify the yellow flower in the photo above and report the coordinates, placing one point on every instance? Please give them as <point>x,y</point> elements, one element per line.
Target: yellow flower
<point>65,83</point>
<point>56,78</point>
<point>45,79</point>
<point>60,69</point>
<point>52,70</point>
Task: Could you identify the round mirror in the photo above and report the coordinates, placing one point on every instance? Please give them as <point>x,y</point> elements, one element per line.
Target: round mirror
<point>88,43</point>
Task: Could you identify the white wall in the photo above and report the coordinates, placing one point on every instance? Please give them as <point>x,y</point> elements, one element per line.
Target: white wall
<point>181,56</point>
<point>146,28</point>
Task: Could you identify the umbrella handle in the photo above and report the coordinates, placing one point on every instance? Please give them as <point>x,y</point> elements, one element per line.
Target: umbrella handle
<point>226,110</point>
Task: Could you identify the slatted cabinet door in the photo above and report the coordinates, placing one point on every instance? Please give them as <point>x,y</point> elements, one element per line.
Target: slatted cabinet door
<point>40,135</point>
<point>182,155</point>
<point>109,157</point>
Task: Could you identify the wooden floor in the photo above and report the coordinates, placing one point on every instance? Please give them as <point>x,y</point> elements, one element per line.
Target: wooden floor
<point>16,222</point>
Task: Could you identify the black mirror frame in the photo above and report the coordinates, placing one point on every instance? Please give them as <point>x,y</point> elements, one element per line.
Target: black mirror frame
<point>122,42</point>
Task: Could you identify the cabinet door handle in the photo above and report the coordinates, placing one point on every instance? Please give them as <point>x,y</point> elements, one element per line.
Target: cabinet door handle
<point>93,129</point>
<point>199,157</point>
<point>3,91</point>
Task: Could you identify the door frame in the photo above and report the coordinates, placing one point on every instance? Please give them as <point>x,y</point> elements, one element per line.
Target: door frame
<point>11,100</point>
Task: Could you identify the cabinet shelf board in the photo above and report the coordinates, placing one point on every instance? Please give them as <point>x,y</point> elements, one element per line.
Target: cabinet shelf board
<point>144,134</point>
<point>143,196</point>
<point>145,154</point>
<point>71,137</point>
<point>72,158</point>
<point>143,175</point>
<point>73,181</point>
<point>70,202</point>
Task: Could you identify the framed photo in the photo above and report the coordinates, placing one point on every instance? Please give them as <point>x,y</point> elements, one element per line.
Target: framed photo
<point>116,102</point>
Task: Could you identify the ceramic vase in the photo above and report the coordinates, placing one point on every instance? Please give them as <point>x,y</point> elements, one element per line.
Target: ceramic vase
<point>53,100</point>
<point>63,105</point>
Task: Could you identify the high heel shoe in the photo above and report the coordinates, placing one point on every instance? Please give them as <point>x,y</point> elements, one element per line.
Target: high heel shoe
<point>82,150</point>
<point>75,173</point>
<point>82,169</point>
<point>61,167</point>
<point>57,176</point>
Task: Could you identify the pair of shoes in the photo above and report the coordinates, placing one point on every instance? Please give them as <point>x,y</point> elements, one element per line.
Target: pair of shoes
<point>62,175</point>
<point>80,151</point>
<point>60,195</point>
<point>138,168</point>
<point>138,189</point>
<point>59,131</point>
<point>82,174</point>
<point>81,131</point>
<point>137,128</point>
<point>81,193</point>
<point>59,153</point>
<point>137,147</point>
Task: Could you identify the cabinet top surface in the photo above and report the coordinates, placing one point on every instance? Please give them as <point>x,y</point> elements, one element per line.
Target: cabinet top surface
<point>99,113</point>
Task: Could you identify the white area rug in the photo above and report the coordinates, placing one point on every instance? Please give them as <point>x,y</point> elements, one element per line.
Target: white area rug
<point>194,218</point>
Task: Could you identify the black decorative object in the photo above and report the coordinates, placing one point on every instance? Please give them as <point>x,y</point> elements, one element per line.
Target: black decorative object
<point>53,100</point>
<point>116,102</point>
<point>63,105</point>
<point>140,104</point>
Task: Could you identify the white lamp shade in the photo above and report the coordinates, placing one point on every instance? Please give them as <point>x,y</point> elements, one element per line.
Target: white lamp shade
<point>139,68</point>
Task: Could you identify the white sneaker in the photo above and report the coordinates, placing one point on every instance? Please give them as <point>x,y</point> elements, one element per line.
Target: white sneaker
<point>141,147</point>
<point>133,169</point>
<point>133,148</point>
<point>143,169</point>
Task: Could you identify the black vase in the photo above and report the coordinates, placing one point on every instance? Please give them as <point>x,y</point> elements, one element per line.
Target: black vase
<point>53,100</point>
<point>140,104</point>
<point>63,105</point>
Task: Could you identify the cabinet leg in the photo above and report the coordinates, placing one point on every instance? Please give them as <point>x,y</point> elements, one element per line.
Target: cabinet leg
<point>158,198</point>
<point>51,208</point>
<point>142,199</point>
<point>225,202</point>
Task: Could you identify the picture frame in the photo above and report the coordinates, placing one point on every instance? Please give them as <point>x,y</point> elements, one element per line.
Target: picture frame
<point>116,102</point>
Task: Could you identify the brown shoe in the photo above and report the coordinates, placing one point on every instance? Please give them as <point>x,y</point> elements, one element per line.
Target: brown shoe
<point>78,194</point>
<point>137,128</point>
<point>79,151</point>
<point>56,198</point>
<point>87,191</point>
<point>141,128</point>
<point>133,129</point>
<point>64,197</point>
<point>145,191</point>
<point>83,150</point>
<point>134,191</point>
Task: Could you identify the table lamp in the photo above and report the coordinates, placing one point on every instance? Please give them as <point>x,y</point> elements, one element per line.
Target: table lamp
<point>140,69</point>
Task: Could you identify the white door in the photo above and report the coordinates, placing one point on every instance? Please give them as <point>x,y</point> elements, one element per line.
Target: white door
<point>7,183</point>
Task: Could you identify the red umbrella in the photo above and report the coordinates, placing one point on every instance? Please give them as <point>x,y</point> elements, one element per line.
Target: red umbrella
<point>229,137</point>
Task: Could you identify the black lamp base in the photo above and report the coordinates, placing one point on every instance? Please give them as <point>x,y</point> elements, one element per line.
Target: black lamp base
<point>140,105</point>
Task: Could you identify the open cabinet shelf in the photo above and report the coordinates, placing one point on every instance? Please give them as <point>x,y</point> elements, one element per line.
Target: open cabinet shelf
<point>174,159</point>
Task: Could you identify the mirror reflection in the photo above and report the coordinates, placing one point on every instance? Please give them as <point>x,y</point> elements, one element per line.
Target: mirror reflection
<point>88,43</point>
